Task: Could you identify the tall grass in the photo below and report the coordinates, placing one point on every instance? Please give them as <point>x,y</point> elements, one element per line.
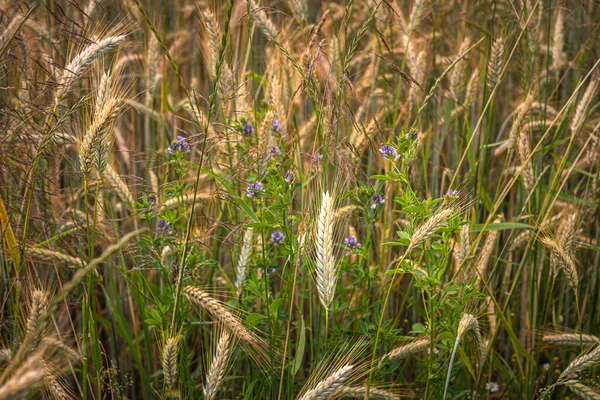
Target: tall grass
<point>298,199</point>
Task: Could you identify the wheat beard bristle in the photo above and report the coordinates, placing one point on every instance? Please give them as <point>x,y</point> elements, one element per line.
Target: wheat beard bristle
<point>325,268</point>
<point>328,386</point>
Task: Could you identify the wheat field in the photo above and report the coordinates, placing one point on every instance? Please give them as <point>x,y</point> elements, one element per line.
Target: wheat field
<point>299,199</point>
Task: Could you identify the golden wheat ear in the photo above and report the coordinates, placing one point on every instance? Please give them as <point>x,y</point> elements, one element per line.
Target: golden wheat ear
<point>83,60</point>
<point>265,356</point>
<point>169,360</point>
<point>342,367</point>
<point>220,363</point>
<point>97,141</point>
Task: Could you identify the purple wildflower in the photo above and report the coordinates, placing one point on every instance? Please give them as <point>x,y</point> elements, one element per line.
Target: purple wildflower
<point>289,177</point>
<point>180,145</point>
<point>351,242</point>
<point>255,189</point>
<point>452,193</point>
<point>276,127</point>
<point>274,151</point>
<point>277,237</point>
<point>317,158</point>
<point>377,200</point>
<point>388,152</point>
<point>248,129</point>
<point>163,226</point>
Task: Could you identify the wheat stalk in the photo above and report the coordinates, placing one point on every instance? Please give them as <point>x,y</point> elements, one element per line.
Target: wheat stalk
<point>325,267</point>
<point>241,270</point>
<point>218,366</point>
<point>468,325</point>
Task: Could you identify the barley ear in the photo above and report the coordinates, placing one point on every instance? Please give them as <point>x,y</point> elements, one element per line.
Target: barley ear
<point>170,353</point>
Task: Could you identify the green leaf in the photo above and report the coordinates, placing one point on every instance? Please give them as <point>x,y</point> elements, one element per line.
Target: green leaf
<point>253,319</point>
<point>274,308</point>
<point>299,347</point>
<point>500,226</point>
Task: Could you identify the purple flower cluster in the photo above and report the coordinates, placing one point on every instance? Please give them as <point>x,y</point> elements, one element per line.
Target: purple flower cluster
<point>274,151</point>
<point>289,177</point>
<point>248,129</point>
<point>163,226</point>
<point>377,200</point>
<point>276,127</point>
<point>388,152</point>
<point>180,145</point>
<point>351,242</point>
<point>317,158</point>
<point>254,189</point>
<point>277,237</point>
<point>452,193</point>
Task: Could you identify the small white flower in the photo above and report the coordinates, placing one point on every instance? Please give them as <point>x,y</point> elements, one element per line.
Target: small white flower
<point>492,387</point>
<point>546,367</point>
